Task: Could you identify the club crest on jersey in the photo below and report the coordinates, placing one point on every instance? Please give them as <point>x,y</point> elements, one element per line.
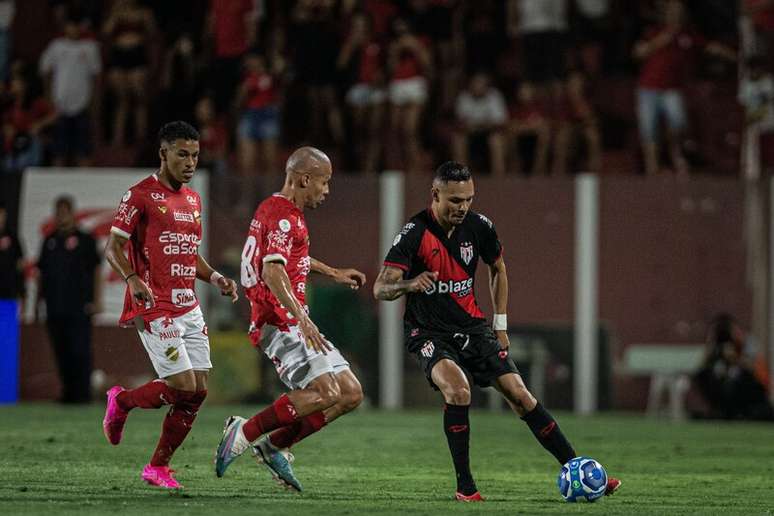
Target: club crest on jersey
<point>466,252</point>
<point>284,225</point>
<point>126,196</point>
<point>172,353</point>
<point>162,209</point>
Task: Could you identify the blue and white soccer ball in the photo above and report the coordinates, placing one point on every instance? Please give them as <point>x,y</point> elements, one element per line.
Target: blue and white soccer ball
<point>582,479</point>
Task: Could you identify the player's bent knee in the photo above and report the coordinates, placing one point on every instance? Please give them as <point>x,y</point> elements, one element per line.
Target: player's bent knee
<point>524,398</point>
<point>185,381</point>
<point>457,396</point>
<point>352,398</point>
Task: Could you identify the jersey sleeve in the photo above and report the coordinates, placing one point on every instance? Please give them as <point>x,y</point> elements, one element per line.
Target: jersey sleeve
<point>404,247</point>
<point>128,215</point>
<point>277,238</point>
<point>490,247</point>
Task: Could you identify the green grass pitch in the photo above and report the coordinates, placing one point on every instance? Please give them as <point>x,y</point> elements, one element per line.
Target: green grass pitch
<point>55,460</point>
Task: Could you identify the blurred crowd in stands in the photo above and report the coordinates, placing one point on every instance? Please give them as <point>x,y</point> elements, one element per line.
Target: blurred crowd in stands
<point>536,87</point>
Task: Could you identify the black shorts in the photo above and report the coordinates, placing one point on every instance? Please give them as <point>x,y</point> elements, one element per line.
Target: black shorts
<point>479,355</point>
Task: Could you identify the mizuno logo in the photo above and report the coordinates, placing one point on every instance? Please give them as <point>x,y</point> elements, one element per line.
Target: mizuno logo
<point>546,431</point>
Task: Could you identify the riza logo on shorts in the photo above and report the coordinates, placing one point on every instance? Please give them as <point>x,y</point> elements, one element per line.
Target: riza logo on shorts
<point>184,216</point>
<point>466,252</point>
<point>428,349</point>
<point>183,297</point>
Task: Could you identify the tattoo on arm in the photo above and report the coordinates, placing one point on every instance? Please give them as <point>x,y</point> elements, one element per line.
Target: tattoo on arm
<point>389,285</point>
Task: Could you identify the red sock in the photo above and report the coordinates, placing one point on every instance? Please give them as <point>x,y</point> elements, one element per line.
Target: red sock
<point>280,413</point>
<point>151,395</point>
<point>177,424</point>
<point>289,435</point>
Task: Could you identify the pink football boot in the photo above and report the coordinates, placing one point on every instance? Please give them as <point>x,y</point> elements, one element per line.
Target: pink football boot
<point>161,476</point>
<point>115,416</point>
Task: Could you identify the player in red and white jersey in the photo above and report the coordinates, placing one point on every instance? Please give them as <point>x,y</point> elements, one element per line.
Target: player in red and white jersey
<point>275,264</point>
<point>277,232</point>
<point>158,224</point>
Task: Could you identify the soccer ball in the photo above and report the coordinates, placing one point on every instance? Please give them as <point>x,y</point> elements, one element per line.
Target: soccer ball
<point>582,479</point>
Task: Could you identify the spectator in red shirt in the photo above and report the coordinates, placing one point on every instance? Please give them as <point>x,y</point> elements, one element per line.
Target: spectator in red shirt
<point>213,141</point>
<point>667,52</point>
<point>259,119</point>
<point>528,119</point>
<point>577,124</point>
<point>232,24</point>
<point>25,117</point>
<point>762,14</point>
<point>361,57</point>
<point>409,62</point>
<point>382,12</point>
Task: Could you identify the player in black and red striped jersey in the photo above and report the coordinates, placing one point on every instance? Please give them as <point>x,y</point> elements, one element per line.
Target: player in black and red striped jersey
<point>433,263</point>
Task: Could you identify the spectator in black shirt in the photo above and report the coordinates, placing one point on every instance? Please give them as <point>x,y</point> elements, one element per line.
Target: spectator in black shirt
<point>11,261</point>
<point>69,284</point>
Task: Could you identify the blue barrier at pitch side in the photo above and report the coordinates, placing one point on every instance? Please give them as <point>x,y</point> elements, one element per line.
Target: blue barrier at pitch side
<point>9,351</point>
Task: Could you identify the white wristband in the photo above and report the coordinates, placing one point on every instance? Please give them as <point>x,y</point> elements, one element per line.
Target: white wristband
<point>215,277</point>
<point>500,322</point>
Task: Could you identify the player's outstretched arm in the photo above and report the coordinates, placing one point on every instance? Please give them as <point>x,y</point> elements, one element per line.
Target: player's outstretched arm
<point>276,278</point>
<point>353,278</point>
<point>498,288</point>
<point>390,285</point>
<point>227,286</point>
<point>114,253</point>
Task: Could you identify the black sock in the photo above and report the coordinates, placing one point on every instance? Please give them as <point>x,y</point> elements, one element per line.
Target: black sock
<point>457,429</point>
<point>548,433</point>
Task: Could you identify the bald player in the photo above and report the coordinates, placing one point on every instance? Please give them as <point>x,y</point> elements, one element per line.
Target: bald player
<point>275,264</point>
